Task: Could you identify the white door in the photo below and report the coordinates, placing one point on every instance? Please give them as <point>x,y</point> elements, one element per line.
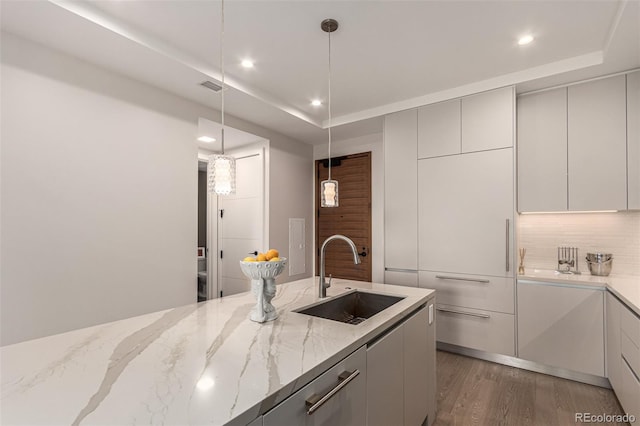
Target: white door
<point>241,224</point>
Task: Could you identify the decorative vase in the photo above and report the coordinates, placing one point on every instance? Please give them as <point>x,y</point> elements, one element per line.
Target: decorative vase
<point>263,286</point>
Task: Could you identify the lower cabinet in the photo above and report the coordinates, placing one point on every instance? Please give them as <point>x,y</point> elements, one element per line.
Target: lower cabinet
<point>403,277</point>
<point>628,389</point>
<point>344,388</point>
<point>389,381</point>
<point>561,326</point>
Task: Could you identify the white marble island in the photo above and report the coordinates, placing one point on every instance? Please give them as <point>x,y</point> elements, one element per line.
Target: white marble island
<point>198,364</point>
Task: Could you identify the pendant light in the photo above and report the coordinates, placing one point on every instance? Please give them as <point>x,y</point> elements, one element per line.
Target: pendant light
<point>222,168</point>
<point>329,187</point>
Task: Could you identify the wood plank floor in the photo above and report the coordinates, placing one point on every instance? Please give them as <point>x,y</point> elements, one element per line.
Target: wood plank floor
<point>477,392</point>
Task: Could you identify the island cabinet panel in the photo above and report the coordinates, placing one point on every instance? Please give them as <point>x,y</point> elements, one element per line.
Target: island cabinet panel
<point>597,145</point>
<point>419,367</point>
<point>561,326</point>
<point>487,120</point>
<point>629,391</point>
<point>400,190</point>
<point>466,208</point>
<point>613,354</point>
<point>439,129</point>
<point>345,407</point>
<point>633,140</point>
<point>542,151</point>
<point>385,380</point>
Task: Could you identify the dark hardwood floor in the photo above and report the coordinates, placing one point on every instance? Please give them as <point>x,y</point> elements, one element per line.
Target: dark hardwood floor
<point>476,392</point>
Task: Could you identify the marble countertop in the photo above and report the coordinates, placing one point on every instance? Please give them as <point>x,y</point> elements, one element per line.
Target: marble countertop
<point>625,287</point>
<point>204,363</point>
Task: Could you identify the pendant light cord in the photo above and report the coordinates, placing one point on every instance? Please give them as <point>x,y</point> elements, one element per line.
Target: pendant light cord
<point>329,105</point>
<point>222,69</point>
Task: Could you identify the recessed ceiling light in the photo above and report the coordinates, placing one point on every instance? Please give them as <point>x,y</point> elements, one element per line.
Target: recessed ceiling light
<point>247,63</point>
<point>206,139</point>
<point>316,102</point>
<point>525,39</point>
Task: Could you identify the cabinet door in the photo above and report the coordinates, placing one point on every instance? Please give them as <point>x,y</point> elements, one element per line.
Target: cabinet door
<point>385,380</point>
<point>597,145</point>
<point>401,188</point>
<point>542,151</point>
<point>633,139</point>
<point>346,407</point>
<point>403,278</point>
<point>439,129</point>
<point>417,363</point>
<point>561,326</point>
<point>613,341</point>
<point>466,213</point>
<point>487,120</point>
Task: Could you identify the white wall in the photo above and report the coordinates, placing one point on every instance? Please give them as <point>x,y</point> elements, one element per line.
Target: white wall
<point>99,191</point>
<point>366,143</point>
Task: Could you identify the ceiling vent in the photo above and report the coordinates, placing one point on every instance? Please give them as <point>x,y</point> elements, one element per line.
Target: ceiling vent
<point>211,85</point>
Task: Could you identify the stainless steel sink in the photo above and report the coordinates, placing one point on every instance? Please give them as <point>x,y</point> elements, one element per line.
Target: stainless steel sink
<point>351,308</point>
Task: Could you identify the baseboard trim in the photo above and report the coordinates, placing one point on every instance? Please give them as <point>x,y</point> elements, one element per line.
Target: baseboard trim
<point>523,364</point>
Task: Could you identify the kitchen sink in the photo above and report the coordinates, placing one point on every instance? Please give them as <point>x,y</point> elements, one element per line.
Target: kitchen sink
<point>351,308</point>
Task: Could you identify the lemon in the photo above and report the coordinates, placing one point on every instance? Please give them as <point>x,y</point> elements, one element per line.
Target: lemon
<point>249,259</point>
<point>272,253</point>
<point>274,259</point>
<point>261,257</point>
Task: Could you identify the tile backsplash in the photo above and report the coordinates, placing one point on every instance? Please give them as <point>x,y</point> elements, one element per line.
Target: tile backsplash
<point>617,233</point>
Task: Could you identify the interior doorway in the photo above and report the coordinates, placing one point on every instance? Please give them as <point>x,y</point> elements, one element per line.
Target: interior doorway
<point>202,278</point>
<point>351,218</point>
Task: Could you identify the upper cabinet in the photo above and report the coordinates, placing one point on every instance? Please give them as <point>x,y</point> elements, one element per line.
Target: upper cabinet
<point>474,123</point>
<point>633,140</point>
<point>487,120</point>
<point>578,147</point>
<point>542,151</point>
<point>439,129</point>
<point>597,145</point>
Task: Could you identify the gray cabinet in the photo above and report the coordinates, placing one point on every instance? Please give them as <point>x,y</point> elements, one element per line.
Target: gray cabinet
<point>347,406</point>
<point>439,129</point>
<point>487,120</point>
<point>465,206</point>
<point>400,190</point>
<point>597,146</point>
<point>561,326</point>
<point>542,151</point>
<point>401,373</point>
<point>633,140</point>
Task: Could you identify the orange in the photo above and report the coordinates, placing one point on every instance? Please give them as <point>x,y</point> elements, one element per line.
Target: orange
<point>272,253</point>
<point>261,257</point>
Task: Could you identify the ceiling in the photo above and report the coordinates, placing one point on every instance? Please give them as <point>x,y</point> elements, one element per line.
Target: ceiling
<point>386,56</point>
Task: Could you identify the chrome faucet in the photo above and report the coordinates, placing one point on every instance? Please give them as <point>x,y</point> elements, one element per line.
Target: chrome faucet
<point>356,260</point>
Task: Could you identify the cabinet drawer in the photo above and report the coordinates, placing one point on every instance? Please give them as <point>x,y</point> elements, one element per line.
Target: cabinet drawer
<point>473,328</point>
<point>629,394</point>
<point>471,291</point>
<point>630,353</point>
<point>399,277</point>
<point>346,407</point>
<point>630,325</point>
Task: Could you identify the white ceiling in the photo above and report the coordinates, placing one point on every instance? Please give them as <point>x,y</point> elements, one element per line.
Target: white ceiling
<point>386,55</point>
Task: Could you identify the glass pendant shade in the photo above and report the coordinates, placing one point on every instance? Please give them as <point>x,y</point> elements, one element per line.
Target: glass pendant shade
<point>329,193</point>
<point>222,174</point>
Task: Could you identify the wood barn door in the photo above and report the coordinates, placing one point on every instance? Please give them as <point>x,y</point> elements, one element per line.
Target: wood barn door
<point>352,217</point>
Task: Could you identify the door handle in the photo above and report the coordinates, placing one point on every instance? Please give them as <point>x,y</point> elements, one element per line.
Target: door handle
<point>364,252</point>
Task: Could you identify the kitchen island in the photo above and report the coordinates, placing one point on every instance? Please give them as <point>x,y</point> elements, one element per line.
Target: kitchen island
<point>204,363</point>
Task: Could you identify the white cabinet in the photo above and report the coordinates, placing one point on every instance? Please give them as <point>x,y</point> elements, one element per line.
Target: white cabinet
<point>347,406</point>
<point>439,129</point>
<point>633,140</point>
<point>561,326</point>
<point>401,373</point>
<point>400,190</point>
<point>597,146</point>
<point>466,213</point>
<point>542,151</point>
<point>401,277</point>
<point>487,120</point>
<point>629,391</point>
<point>613,354</point>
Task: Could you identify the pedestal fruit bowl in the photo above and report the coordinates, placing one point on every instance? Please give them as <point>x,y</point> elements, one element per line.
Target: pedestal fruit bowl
<point>263,286</point>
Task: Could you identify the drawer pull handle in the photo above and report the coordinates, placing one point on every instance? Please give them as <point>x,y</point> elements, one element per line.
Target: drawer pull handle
<point>315,401</point>
<point>507,250</point>
<point>471,314</point>
<point>475,280</point>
